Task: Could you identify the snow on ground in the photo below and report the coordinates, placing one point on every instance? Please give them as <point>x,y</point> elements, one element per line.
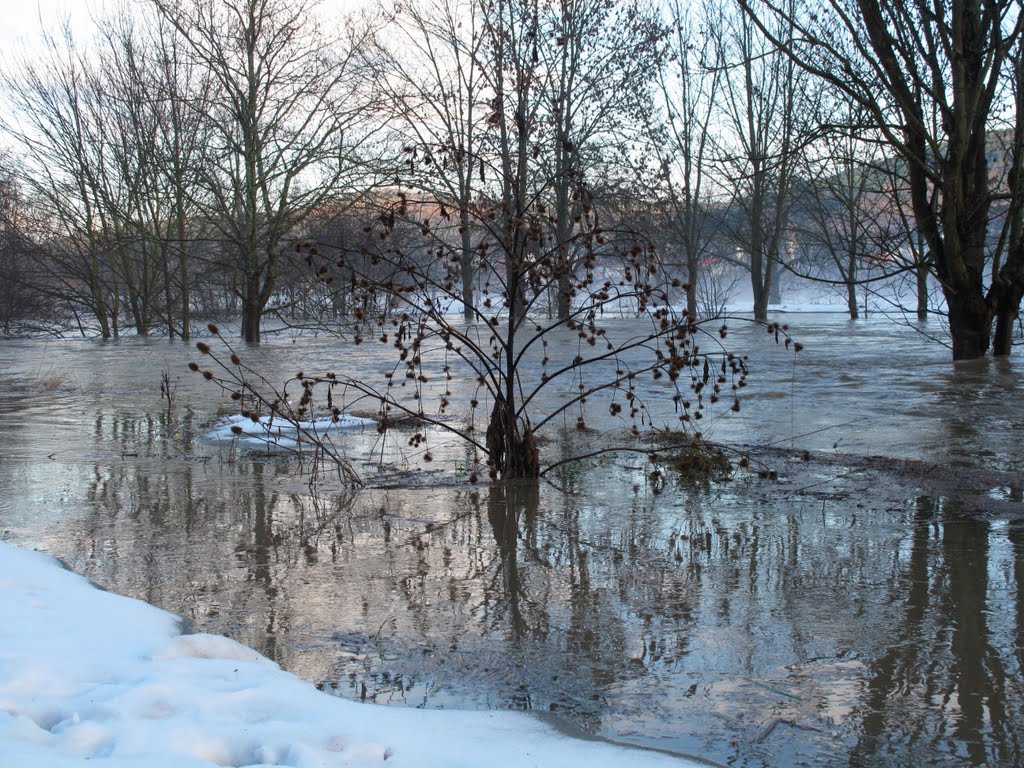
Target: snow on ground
<point>90,678</point>
<point>275,432</point>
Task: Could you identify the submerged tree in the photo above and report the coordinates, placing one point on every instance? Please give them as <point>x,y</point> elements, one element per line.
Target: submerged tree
<point>690,83</point>
<point>762,103</point>
<point>934,78</point>
<point>433,73</point>
<point>22,285</point>
<point>287,115</point>
<point>597,62</point>
<point>521,257</point>
<point>507,348</point>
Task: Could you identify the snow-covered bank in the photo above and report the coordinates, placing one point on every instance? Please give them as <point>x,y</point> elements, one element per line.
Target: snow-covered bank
<point>90,678</point>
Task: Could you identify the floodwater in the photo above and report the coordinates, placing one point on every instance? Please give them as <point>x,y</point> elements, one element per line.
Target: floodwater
<point>841,613</point>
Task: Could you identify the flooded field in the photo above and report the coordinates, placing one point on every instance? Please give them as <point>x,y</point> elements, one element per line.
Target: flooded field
<point>840,610</point>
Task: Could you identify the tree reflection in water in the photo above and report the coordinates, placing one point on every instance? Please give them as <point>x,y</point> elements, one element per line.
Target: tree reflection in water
<point>949,684</point>
<point>744,622</point>
<point>512,512</point>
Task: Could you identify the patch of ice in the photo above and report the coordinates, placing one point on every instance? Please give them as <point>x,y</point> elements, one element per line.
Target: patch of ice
<point>277,433</point>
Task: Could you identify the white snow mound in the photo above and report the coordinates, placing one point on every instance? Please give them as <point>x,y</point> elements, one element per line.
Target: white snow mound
<point>90,679</point>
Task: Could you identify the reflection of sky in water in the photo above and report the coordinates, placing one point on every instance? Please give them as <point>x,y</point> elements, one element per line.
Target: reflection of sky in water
<point>848,622</point>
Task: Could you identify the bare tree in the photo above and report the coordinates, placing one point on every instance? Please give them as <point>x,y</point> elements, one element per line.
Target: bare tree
<point>598,60</point>
<point>106,167</point>
<point>56,122</point>
<point>690,83</point>
<point>844,219</point>
<point>760,96</point>
<point>289,116</point>
<point>128,191</point>
<point>905,64</point>
<point>179,91</point>
<point>22,286</point>
<point>434,76</point>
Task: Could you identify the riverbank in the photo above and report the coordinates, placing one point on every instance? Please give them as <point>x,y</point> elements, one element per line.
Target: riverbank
<point>89,678</point>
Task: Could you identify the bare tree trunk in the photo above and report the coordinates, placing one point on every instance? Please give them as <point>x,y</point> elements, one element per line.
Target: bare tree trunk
<point>562,233</point>
<point>692,265</point>
<point>762,292</point>
<point>921,274</point>
<point>99,304</point>
<point>466,264</point>
<point>775,294</point>
<point>970,324</point>
<point>186,294</point>
<point>1006,310</point>
<point>851,286</point>
<point>252,312</point>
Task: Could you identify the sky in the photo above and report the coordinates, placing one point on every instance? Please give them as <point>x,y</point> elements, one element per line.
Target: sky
<point>91,679</point>
<point>22,18</point>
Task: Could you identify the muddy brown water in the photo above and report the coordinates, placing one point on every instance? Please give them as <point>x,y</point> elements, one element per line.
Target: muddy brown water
<point>850,611</point>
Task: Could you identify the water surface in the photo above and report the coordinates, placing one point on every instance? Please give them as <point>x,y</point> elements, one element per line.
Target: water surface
<point>839,615</point>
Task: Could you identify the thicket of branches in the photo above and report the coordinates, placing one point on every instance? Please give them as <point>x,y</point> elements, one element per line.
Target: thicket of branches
<point>483,288</point>
<point>188,159</point>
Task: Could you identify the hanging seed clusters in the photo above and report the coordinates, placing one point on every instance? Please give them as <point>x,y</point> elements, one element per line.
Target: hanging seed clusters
<point>260,402</point>
<point>530,283</point>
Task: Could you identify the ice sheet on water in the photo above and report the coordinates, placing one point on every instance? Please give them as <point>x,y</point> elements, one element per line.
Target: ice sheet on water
<point>278,433</point>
